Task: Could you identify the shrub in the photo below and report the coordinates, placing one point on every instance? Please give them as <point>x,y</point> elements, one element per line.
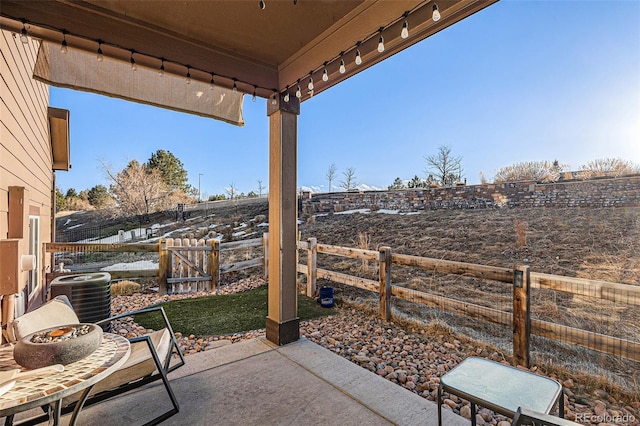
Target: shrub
<point>124,288</point>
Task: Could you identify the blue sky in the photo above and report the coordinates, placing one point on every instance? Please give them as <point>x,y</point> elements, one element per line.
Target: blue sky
<point>518,81</point>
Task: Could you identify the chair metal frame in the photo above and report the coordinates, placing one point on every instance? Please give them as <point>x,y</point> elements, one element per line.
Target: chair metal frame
<point>162,371</point>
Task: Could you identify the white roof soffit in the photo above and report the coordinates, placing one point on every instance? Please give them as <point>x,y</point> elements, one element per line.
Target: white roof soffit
<point>79,70</point>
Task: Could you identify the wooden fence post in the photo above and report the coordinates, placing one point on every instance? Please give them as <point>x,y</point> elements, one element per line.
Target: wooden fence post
<point>312,271</point>
<point>385,282</point>
<point>214,264</point>
<point>521,316</point>
<point>265,248</point>
<point>163,266</point>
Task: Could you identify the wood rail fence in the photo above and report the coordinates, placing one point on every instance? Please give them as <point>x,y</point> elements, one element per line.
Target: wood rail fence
<point>183,264</point>
<point>520,279</point>
<point>186,262</point>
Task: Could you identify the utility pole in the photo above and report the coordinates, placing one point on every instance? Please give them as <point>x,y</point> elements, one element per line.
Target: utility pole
<point>199,198</point>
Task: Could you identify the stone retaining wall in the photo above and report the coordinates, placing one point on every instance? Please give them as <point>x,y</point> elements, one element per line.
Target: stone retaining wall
<point>599,192</point>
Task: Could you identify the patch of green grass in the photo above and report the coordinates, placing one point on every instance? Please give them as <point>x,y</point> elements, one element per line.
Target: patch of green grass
<point>215,315</point>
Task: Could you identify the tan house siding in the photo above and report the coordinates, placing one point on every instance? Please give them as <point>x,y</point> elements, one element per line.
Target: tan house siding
<point>25,147</point>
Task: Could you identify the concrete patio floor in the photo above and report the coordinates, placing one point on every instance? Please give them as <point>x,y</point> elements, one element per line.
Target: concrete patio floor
<point>257,383</point>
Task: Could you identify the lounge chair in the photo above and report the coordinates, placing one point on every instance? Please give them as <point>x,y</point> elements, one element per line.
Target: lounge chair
<point>150,358</point>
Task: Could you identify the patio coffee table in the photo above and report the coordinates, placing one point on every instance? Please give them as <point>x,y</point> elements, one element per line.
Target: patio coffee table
<point>51,388</point>
<point>500,388</point>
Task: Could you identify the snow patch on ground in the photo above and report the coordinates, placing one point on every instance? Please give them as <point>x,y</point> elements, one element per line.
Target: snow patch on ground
<point>75,226</point>
<point>363,211</point>
<point>138,265</point>
<point>387,211</point>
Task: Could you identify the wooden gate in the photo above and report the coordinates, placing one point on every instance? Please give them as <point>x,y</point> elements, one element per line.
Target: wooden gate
<point>190,264</point>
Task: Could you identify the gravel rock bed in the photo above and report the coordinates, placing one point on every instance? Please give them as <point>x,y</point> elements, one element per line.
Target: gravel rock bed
<point>413,358</point>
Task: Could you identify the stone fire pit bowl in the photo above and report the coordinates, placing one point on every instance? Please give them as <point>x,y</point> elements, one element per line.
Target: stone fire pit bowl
<point>57,345</point>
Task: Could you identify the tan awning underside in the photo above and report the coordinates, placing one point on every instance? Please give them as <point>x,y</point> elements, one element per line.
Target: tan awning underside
<point>81,71</point>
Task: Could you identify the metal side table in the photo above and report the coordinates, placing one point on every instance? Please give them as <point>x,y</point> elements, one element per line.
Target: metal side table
<point>500,388</point>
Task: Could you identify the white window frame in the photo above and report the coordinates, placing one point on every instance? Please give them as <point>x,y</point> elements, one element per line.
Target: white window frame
<point>34,249</point>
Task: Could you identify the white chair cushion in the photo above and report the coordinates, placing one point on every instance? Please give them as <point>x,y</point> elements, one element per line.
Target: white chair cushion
<point>54,313</point>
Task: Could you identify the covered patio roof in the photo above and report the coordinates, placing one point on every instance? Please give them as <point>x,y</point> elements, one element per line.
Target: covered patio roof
<point>270,48</point>
<point>282,50</point>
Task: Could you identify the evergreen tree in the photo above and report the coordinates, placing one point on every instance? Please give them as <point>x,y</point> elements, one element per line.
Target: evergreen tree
<point>98,196</point>
<point>171,169</point>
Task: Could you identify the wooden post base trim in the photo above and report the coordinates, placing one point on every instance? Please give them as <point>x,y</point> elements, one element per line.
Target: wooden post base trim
<point>283,333</point>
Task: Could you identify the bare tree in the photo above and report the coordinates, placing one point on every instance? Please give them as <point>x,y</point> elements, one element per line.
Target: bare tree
<point>349,181</point>
<point>539,171</point>
<point>445,167</point>
<point>231,191</point>
<point>260,188</point>
<point>331,174</point>
<point>138,189</point>
<point>608,167</point>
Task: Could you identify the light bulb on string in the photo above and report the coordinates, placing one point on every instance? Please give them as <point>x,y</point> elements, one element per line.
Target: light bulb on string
<point>188,74</point>
<point>310,85</point>
<point>63,47</point>
<point>381,43</point>
<point>298,91</point>
<point>358,57</point>
<point>262,4</point>
<point>134,66</point>
<point>325,74</point>
<point>254,97</point>
<point>274,100</point>
<point>405,27</point>
<point>436,13</point>
<point>99,56</point>
<point>23,34</point>
<point>211,83</point>
<point>343,69</point>
<point>161,70</point>
<point>235,85</point>
<point>286,95</point>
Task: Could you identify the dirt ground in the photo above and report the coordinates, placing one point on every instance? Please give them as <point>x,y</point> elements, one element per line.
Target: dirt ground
<point>601,244</point>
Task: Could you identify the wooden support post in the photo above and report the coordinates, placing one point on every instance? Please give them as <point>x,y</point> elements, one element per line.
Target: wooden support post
<point>521,316</point>
<point>385,282</point>
<point>265,250</point>
<point>282,323</point>
<point>312,269</point>
<point>214,264</point>
<point>163,266</point>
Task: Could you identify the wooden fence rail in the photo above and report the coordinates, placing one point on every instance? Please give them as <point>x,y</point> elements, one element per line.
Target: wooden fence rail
<point>520,279</point>
<point>181,262</point>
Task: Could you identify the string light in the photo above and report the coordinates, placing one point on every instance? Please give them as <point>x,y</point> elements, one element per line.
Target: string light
<point>404,34</point>
<point>63,47</point>
<point>99,56</point>
<point>310,85</point>
<point>298,91</point>
<point>274,100</point>
<point>134,66</point>
<point>188,74</point>
<point>436,13</point>
<point>253,97</point>
<point>23,34</point>
<point>211,83</point>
